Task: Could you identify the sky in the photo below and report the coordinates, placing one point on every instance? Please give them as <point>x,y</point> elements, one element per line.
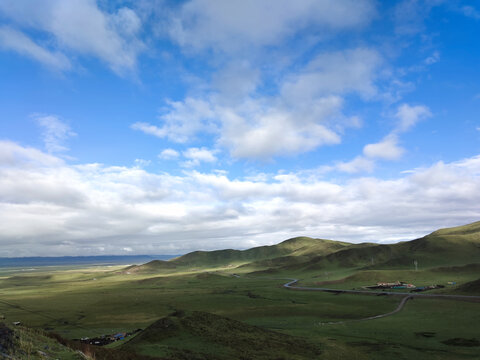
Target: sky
<point>163,127</point>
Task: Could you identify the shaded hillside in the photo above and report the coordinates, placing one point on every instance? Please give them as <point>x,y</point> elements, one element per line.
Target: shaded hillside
<point>447,247</point>
<point>472,287</point>
<point>300,246</point>
<point>200,335</point>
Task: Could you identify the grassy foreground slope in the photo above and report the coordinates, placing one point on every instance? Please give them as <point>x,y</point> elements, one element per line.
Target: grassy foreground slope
<point>202,335</point>
<point>19,342</point>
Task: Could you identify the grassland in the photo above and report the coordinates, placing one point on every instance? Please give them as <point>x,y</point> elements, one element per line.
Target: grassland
<point>232,300</point>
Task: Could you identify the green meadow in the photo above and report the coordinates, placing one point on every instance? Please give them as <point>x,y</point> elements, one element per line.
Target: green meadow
<point>232,304</point>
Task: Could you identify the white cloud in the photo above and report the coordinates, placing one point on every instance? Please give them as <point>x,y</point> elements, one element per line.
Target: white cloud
<point>77,26</point>
<point>409,116</point>
<point>141,163</point>
<point>52,208</point>
<point>259,131</point>
<point>358,164</point>
<point>387,149</point>
<point>305,113</point>
<point>169,154</point>
<point>197,155</point>
<point>11,39</point>
<point>182,120</point>
<point>54,132</point>
<point>230,26</point>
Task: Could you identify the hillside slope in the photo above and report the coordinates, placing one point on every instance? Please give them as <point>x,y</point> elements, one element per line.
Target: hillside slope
<point>445,247</point>
<point>201,335</point>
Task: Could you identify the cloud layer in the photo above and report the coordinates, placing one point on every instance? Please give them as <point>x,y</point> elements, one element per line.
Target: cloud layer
<point>52,208</point>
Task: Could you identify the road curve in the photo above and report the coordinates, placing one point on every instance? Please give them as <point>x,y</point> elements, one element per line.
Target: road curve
<point>290,285</point>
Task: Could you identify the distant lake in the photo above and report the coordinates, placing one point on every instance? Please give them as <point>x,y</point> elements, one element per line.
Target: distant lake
<point>81,260</point>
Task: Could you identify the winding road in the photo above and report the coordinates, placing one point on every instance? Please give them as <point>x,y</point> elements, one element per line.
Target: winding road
<point>406,296</point>
<point>290,285</point>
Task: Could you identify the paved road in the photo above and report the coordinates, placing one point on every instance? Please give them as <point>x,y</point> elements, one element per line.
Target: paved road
<point>399,308</point>
<point>406,297</point>
<point>290,285</point>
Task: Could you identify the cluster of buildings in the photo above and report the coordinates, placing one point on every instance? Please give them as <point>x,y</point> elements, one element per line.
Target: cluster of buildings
<point>108,339</point>
<point>392,285</point>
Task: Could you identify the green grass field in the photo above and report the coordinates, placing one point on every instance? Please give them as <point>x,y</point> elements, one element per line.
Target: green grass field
<point>240,303</point>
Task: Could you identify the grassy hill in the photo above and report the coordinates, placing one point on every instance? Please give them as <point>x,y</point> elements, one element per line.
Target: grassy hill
<point>280,254</point>
<point>446,247</point>
<point>201,335</point>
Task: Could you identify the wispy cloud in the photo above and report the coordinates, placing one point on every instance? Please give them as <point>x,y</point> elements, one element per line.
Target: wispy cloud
<point>17,41</point>
<point>388,148</point>
<point>470,11</point>
<point>55,132</point>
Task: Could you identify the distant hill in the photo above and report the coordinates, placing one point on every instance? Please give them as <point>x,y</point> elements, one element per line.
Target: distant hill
<point>295,249</point>
<point>202,335</point>
<point>455,246</point>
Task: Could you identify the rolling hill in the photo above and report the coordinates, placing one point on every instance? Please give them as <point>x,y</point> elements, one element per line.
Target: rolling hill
<point>455,246</point>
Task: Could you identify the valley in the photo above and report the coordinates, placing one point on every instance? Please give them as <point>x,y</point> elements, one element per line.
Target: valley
<point>232,304</point>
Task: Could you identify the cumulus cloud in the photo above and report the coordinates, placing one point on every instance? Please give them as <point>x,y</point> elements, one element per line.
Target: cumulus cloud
<point>387,149</point>
<point>77,27</point>
<point>50,207</point>
<point>169,154</point>
<point>195,156</point>
<point>307,111</point>
<point>54,132</point>
<point>230,26</point>
<point>408,116</point>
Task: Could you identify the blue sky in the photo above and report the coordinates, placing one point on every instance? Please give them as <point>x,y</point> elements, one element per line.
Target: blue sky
<point>149,127</point>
